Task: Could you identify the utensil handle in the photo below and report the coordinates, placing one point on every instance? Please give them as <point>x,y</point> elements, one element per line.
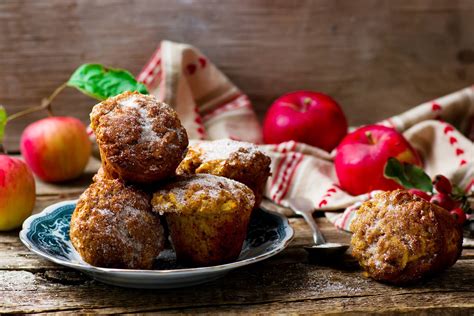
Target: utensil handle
<point>317,235</point>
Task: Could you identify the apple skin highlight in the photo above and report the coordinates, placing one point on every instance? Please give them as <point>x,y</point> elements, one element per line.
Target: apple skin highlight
<point>56,148</point>
<point>17,192</point>
<point>361,157</point>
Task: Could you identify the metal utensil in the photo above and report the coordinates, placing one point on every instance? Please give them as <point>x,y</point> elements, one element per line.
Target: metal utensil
<point>305,208</point>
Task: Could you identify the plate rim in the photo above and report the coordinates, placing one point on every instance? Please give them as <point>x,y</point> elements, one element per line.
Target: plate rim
<point>90,268</point>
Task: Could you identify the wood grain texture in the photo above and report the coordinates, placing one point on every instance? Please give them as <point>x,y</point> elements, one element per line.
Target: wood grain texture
<point>286,283</point>
<point>377,58</point>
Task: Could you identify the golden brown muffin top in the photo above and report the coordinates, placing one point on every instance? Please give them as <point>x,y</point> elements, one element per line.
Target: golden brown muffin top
<point>222,149</point>
<point>397,230</point>
<point>202,193</point>
<point>218,156</point>
<point>113,194</point>
<point>138,132</point>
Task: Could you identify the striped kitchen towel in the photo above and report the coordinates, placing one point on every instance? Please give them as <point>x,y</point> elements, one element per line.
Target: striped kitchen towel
<point>211,107</point>
<point>432,128</point>
<point>208,104</point>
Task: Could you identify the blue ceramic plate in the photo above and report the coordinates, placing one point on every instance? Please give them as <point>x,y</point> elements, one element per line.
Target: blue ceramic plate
<point>47,234</point>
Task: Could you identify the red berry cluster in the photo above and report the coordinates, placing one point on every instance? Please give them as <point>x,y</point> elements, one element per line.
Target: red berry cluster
<point>444,197</point>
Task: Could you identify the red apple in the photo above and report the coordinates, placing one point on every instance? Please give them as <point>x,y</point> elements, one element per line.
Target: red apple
<point>17,192</point>
<point>56,148</point>
<point>305,116</point>
<point>361,157</point>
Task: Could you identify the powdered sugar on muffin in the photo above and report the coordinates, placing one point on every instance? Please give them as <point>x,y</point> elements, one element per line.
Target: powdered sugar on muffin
<point>195,193</point>
<point>222,149</point>
<point>240,161</point>
<point>140,138</point>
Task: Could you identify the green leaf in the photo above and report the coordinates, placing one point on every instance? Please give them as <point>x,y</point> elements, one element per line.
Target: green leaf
<point>407,175</point>
<point>101,83</point>
<point>3,122</point>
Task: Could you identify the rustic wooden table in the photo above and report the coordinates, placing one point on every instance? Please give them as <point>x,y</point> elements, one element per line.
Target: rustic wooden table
<point>286,283</point>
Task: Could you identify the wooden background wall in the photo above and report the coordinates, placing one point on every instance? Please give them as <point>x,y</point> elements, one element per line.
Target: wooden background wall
<point>376,58</point>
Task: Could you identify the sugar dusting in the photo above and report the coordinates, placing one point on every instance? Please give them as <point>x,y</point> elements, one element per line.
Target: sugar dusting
<point>130,103</point>
<point>146,123</point>
<point>321,281</point>
<point>105,212</point>
<point>17,281</point>
<point>117,226</point>
<point>206,186</point>
<point>221,149</point>
<point>209,185</point>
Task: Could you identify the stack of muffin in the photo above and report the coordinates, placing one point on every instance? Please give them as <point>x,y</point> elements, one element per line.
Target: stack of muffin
<point>206,201</point>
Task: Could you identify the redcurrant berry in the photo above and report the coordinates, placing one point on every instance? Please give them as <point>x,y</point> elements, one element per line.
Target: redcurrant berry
<point>424,195</point>
<point>442,184</point>
<point>443,200</point>
<point>459,215</point>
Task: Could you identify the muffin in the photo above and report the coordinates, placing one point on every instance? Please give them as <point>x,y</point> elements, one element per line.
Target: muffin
<point>102,175</point>
<point>400,238</point>
<point>239,161</point>
<point>113,226</point>
<point>140,139</point>
<point>207,217</point>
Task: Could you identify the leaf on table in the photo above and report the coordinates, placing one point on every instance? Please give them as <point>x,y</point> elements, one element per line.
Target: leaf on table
<point>101,82</point>
<point>407,175</point>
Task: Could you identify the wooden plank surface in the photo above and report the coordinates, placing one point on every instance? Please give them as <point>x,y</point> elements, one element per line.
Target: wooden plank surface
<point>286,283</point>
<point>377,58</point>
<point>31,284</point>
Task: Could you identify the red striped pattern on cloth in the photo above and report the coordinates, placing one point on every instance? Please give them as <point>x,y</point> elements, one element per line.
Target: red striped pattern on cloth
<point>470,187</point>
<point>200,125</point>
<point>345,219</point>
<point>450,133</point>
<point>152,71</point>
<point>329,192</point>
<point>285,170</point>
<point>291,164</point>
<point>241,101</point>
<point>194,76</point>
<point>281,148</point>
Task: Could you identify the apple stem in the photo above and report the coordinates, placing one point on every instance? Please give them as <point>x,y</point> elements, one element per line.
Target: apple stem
<point>369,137</point>
<point>45,105</point>
<point>3,151</point>
<point>306,103</point>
